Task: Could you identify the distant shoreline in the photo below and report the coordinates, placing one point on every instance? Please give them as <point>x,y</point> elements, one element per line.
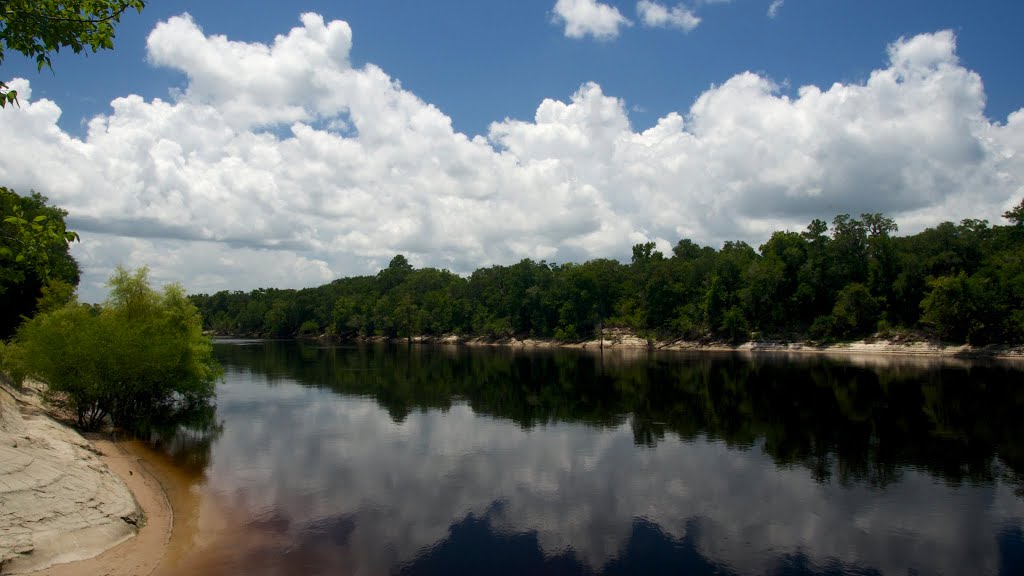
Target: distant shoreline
<point>626,340</point>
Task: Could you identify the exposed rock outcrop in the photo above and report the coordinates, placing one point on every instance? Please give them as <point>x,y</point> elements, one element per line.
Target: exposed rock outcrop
<point>58,501</point>
<point>624,338</point>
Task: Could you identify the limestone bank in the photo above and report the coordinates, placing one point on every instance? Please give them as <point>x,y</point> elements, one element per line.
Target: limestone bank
<point>626,339</point>
<point>58,501</point>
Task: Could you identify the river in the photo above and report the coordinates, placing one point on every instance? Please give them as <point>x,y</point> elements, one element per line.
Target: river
<point>456,460</point>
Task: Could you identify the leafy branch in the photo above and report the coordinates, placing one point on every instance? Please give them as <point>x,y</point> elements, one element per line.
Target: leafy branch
<point>37,28</point>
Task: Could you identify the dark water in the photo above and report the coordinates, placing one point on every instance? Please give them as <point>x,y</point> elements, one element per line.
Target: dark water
<point>497,461</point>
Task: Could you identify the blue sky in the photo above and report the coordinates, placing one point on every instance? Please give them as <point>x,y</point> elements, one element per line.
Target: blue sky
<point>484,61</point>
<point>573,174</point>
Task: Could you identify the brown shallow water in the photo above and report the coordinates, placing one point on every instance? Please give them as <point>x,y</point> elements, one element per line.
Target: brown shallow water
<point>442,461</point>
<point>208,537</point>
<point>196,526</point>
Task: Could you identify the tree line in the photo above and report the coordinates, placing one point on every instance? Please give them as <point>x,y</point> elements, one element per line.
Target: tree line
<point>956,282</point>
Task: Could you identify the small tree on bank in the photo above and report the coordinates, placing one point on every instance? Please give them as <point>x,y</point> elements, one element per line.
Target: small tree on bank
<point>140,356</point>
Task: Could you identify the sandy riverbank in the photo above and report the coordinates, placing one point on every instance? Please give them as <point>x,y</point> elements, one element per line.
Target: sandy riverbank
<point>72,505</point>
<point>138,556</point>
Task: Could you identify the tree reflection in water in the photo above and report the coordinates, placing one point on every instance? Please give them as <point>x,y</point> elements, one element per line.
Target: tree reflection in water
<point>447,460</point>
<point>860,419</point>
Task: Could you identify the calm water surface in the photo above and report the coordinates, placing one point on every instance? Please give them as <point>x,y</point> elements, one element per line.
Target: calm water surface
<point>377,460</point>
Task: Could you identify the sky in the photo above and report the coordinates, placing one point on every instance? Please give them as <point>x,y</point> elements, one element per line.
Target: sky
<point>231,145</point>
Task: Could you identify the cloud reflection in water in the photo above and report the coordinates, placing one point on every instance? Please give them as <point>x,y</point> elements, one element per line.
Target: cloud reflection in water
<point>353,491</point>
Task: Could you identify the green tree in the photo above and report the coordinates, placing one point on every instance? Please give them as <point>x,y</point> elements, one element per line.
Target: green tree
<point>734,325</point>
<point>1016,215</point>
<point>397,271</point>
<point>38,28</point>
<point>847,253</point>
<point>278,321</point>
<point>855,312</point>
<point>34,251</point>
<point>140,356</point>
<point>951,306</point>
<point>771,283</point>
<point>883,261</point>
<point>811,297</point>
<point>309,329</point>
<point>724,284</point>
<point>588,293</point>
<point>647,287</point>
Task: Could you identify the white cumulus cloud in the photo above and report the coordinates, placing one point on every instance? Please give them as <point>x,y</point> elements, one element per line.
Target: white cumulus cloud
<point>284,165</point>
<point>293,79</point>
<point>658,15</point>
<point>589,17</point>
<point>774,7</point>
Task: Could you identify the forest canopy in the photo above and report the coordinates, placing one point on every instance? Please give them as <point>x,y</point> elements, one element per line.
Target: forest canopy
<point>851,278</point>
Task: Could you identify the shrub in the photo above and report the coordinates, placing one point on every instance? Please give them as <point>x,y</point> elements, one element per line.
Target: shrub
<point>855,312</point>
<point>821,328</point>
<point>309,328</point>
<point>139,356</point>
<point>734,325</point>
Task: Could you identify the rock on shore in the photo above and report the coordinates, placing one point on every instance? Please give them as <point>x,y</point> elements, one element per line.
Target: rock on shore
<point>58,502</point>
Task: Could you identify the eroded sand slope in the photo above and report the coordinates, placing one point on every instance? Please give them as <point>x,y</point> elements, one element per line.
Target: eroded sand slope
<point>58,501</point>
